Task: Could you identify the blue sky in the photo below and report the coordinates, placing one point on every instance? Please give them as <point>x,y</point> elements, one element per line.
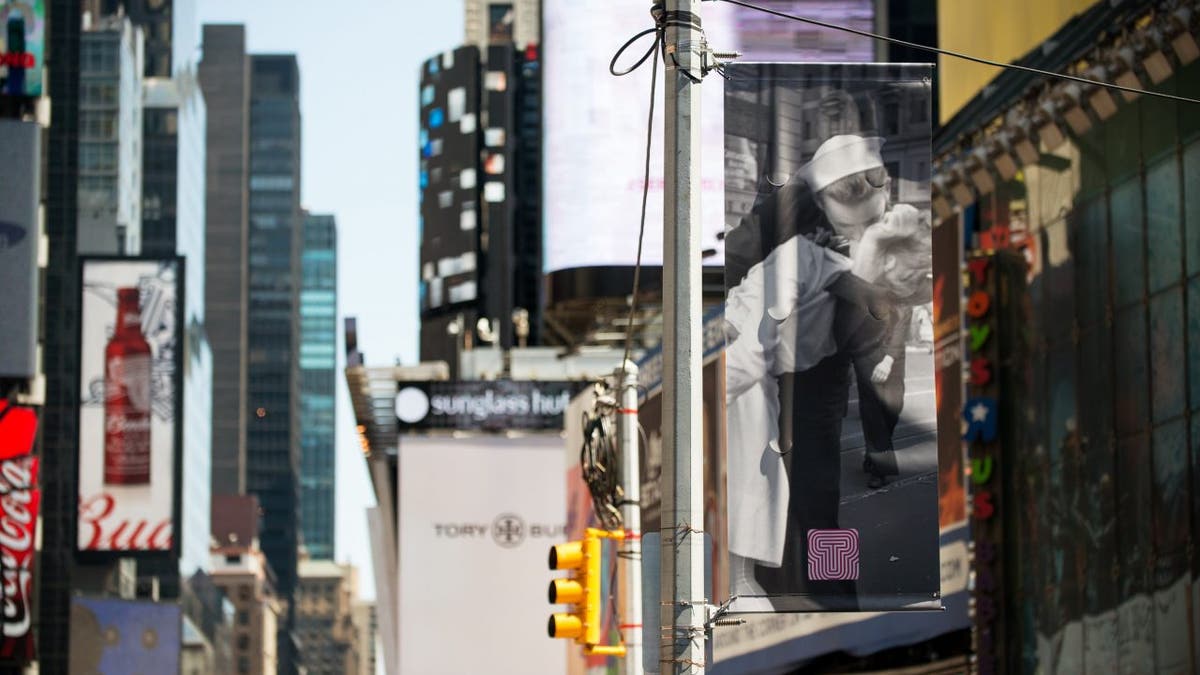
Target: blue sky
<point>359,68</point>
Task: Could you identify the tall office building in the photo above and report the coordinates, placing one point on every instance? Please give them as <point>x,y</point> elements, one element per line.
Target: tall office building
<point>517,21</point>
<point>367,621</point>
<point>173,223</point>
<point>318,360</point>
<point>325,619</point>
<point>273,382</point>
<point>225,80</point>
<point>241,570</point>
<point>255,235</point>
<point>480,178</point>
<point>60,306</point>
<point>110,133</point>
<point>165,22</point>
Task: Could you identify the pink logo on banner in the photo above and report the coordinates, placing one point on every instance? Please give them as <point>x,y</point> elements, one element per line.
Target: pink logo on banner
<point>832,554</point>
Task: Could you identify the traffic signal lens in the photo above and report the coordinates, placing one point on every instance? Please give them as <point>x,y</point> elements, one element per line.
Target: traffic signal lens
<point>565,592</point>
<point>566,556</point>
<point>564,626</point>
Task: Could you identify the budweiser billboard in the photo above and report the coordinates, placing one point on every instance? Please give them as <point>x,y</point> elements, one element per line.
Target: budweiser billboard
<point>19,499</point>
<point>129,403</point>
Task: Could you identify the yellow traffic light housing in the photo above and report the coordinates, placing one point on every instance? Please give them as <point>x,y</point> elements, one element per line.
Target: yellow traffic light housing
<point>582,591</point>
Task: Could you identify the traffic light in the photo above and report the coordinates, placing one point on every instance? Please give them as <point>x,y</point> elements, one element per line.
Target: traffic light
<point>582,591</point>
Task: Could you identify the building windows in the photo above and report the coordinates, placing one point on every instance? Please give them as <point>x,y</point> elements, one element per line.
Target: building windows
<point>243,618</point>
<point>97,125</point>
<point>98,94</point>
<point>97,157</point>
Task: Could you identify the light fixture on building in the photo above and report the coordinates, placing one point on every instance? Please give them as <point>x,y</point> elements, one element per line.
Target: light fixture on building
<point>1000,157</point>
<point>1182,40</point>
<point>1099,98</point>
<point>1049,133</point>
<point>937,193</point>
<point>977,169</point>
<point>956,183</point>
<point>1154,60</point>
<point>1121,66</point>
<point>1069,100</point>
<point>1021,138</point>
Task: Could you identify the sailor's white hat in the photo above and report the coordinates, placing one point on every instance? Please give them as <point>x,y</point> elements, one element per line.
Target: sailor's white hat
<point>841,156</point>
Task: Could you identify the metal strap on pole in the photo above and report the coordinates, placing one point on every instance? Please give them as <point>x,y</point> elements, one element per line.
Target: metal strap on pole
<point>631,514</point>
<point>683,593</point>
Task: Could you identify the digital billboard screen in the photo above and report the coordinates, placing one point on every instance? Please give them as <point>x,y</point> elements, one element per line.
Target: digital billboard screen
<point>22,47</point>
<point>129,430</point>
<point>595,135</point>
<point>124,636</point>
<point>20,193</point>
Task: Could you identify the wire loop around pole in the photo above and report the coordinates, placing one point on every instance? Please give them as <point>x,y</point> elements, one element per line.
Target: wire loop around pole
<point>612,65</point>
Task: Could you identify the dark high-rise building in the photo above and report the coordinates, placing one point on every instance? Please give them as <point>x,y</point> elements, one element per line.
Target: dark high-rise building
<point>254,238</point>
<point>225,79</point>
<point>159,20</point>
<point>60,312</point>
<point>318,361</point>
<point>273,382</point>
<point>480,179</point>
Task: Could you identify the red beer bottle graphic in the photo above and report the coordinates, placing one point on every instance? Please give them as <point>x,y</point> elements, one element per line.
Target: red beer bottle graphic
<point>127,397</point>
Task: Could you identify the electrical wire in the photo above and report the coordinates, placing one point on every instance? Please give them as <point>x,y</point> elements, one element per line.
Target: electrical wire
<point>959,55</point>
<point>658,31</point>
<point>600,465</point>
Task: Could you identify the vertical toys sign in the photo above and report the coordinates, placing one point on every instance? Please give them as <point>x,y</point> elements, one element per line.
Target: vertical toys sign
<point>981,425</point>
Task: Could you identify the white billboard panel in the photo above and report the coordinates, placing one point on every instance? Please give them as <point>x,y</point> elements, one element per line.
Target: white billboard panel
<point>595,124</point>
<point>129,404</point>
<point>477,519</point>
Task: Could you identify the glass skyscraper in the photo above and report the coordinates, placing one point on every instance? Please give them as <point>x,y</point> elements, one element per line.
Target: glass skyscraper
<point>318,360</point>
<point>273,382</point>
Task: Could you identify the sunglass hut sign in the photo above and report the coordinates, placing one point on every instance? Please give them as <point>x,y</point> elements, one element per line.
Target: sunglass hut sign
<point>498,405</point>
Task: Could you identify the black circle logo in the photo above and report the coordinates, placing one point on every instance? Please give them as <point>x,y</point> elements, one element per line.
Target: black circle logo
<point>508,530</point>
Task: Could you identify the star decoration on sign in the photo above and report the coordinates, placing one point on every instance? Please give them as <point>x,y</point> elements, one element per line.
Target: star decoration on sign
<point>979,413</point>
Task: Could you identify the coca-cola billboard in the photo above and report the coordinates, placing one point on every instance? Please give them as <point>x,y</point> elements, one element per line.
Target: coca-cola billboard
<point>19,501</point>
<point>129,432</point>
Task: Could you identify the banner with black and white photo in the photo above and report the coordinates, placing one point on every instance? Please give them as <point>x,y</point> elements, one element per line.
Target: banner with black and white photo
<point>832,462</point>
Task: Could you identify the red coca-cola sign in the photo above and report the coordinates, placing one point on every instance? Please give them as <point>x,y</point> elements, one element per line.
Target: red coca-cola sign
<point>19,502</point>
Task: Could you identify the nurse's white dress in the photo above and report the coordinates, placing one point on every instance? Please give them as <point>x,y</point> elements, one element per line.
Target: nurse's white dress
<point>778,319</point>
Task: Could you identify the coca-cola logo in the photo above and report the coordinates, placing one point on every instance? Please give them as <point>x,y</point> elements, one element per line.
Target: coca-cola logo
<point>18,513</point>
<point>100,531</point>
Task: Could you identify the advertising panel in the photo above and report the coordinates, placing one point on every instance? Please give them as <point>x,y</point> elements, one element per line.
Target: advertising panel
<point>449,179</point>
<point>110,636</point>
<point>22,47</point>
<point>129,433</point>
<point>19,502</point>
<point>476,540</point>
<point>832,461</point>
<point>494,405</point>
<point>20,171</point>
<point>592,214</point>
